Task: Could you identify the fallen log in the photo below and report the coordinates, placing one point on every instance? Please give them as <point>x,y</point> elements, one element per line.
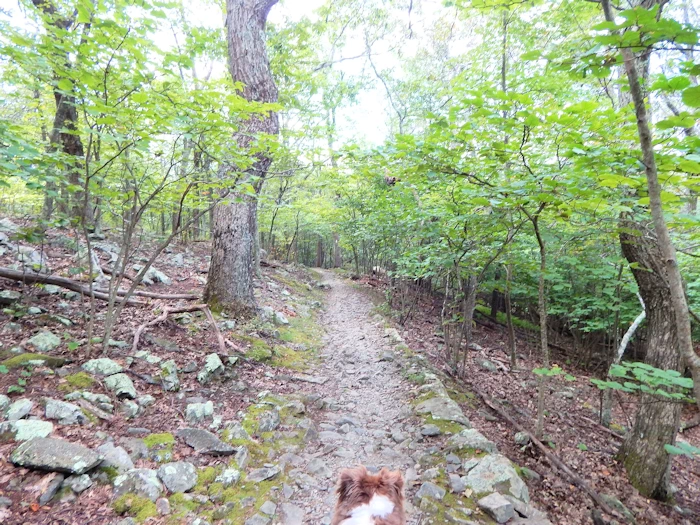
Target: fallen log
<point>154,295</point>
<point>554,460</point>
<point>63,282</point>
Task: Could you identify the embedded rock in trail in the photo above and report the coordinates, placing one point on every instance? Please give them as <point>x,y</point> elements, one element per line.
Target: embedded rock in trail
<point>444,409</point>
<point>121,385</point>
<point>8,297</point>
<point>263,474</point>
<point>205,442</point>
<point>115,457</point>
<point>495,473</point>
<point>4,403</point>
<point>45,341</point>
<point>228,477</point>
<point>55,455</point>
<point>141,481</point>
<point>235,430</point>
<point>257,519</point>
<point>78,484</point>
<point>179,476</point>
<point>431,491</point>
<point>470,438</point>
<point>19,409</point>
<point>269,421</point>
<point>291,514</point>
<point>498,507</point>
<point>65,413</point>
<point>102,366</point>
<point>213,367</point>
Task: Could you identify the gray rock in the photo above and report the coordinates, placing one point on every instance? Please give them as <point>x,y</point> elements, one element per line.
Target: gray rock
<point>55,455</point>
<point>168,376</point>
<point>102,366</point>
<point>263,474</point>
<point>78,484</point>
<point>269,421</point>
<point>213,367</point>
<point>530,474</point>
<point>291,514</point>
<point>45,341</point>
<point>258,519</point>
<point>498,507</point>
<point>142,482</point>
<point>205,442</point>
<point>27,429</point>
<point>281,319</point>
<point>162,342</point>
<point>7,226</point>
<point>199,412</point>
<point>5,502</point>
<point>495,473</point>
<point>616,504</point>
<point>486,365</point>
<point>457,484</point>
<point>121,385</point>
<point>153,275</point>
<point>529,512</point>
<point>163,506</point>
<point>443,408</point>
<point>129,408</point>
<point>470,438</point>
<point>522,438</point>
<point>242,457</point>
<point>148,357</point>
<point>229,477</point>
<point>268,508</point>
<point>115,457</point>
<point>317,467</point>
<point>65,413</point>
<point>430,431</point>
<point>9,297</point>
<point>235,430</point>
<point>179,476</point>
<point>146,401</point>
<point>189,368</point>
<point>4,402</point>
<point>19,409</point>
<point>177,260</point>
<point>431,491</point>
<point>51,483</point>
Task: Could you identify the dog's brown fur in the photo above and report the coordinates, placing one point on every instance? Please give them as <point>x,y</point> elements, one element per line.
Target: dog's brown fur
<point>357,486</point>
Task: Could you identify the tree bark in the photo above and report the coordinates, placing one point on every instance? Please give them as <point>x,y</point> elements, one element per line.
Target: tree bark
<point>656,423</point>
<point>235,226</point>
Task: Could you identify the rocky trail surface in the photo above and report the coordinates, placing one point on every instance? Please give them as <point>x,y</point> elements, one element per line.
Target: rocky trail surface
<point>378,418</point>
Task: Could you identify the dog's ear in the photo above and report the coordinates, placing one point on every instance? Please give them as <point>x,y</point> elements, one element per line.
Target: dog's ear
<point>350,481</point>
<point>392,481</point>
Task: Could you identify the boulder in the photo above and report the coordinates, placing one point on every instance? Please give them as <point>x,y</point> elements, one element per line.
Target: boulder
<point>486,365</point>
<point>45,341</point>
<point>121,385</point>
<point>470,438</point>
<point>443,408</point>
<point>19,409</point>
<point>28,429</point>
<point>495,473</point>
<point>115,457</point>
<point>498,507</point>
<point>213,367</point>
<point>141,482</point>
<point>8,297</point>
<point>102,367</point>
<point>281,319</point>
<point>55,455</point>
<point>179,476</point>
<point>205,442</point>
<point>65,413</point>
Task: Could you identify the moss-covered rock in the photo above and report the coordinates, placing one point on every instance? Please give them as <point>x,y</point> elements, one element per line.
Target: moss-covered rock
<point>136,506</point>
<point>77,381</point>
<point>31,358</point>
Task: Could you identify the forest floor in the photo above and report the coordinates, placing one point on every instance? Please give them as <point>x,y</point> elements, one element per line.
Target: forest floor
<point>320,381</point>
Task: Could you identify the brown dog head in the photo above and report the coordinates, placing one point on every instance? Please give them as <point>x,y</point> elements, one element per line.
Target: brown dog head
<point>356,487</point>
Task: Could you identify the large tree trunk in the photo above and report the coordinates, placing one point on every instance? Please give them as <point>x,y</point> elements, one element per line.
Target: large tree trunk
<point>646,461</point>
<point>235,228</point>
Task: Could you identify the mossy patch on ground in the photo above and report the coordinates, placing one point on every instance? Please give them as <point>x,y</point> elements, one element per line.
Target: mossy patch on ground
<point>258,349</point>
<point>157,440</point>
<point>22,359</point>
<point>77,381</point>
<point>139,508</point>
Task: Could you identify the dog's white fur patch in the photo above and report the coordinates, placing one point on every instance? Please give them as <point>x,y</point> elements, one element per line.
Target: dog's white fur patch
<point>378,507</point>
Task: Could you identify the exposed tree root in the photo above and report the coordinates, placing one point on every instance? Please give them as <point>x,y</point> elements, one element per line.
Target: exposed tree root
<point>687,425</point>
<point>178,310</point>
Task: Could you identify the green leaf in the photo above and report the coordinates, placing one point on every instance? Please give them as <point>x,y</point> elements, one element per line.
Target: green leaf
<point>582,446</point>
<point>64,84</point>
<point>3,369</point>
<point>691,97</point>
